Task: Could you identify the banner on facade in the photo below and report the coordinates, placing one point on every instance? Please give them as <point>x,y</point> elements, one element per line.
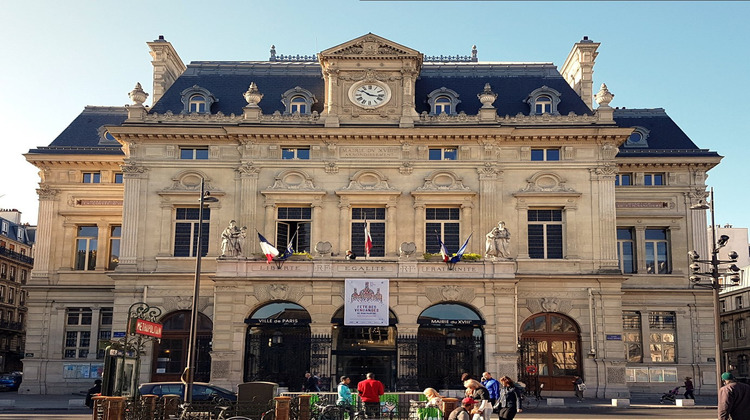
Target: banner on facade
<point>366,302</point>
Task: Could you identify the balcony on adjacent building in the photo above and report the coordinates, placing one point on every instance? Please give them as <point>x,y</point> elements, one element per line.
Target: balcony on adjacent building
<point>16,256</point>
<point>11,326</point>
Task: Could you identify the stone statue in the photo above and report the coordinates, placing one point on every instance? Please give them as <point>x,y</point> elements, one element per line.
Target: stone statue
<point>498,242</point>
<point>230,240</point>
<point>241,241</point>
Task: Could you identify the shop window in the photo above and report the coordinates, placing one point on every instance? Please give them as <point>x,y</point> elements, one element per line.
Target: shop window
<point>442,223</point>
<point>87,239</point>
<point>186,231</point>
<point>663,326</point>
<point>545,234</point>
<point>372,219</point>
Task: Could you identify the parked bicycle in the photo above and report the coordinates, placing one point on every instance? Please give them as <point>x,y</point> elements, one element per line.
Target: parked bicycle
<point>324,411</point>
<point>531,398</point>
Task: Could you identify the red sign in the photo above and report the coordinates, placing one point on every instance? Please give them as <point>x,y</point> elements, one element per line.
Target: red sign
<point>531,369</point>
<point>151,329</point>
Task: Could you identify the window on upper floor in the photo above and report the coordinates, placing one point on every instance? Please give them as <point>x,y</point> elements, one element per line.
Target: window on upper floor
<point>92,177</point>
<point>2,293</point>
<point>115,232</point>
<point>118,177</point>
<point>4,226</point>
<point>3,271</point>
<point>186,231</point>
<point>24,275</point>
<point>22,298</point>
<point>539,155</point>
<point>638,138</point>
<point>11,295</point>
<point>443,101</point>
<point>543,101</point>
<point>724,331</point>
<point>543,105</point>
<point>743,367</point>
<point>631,326</point>
<point>663,327</point>
<point>87,238</point>
<point>738,302</point>
<point>198,100</point>
<point>443,153</point>
<point>739,328</point>
<point>623,179</point>
<point>197,103</point>
<point>302,153</point>
<point>372,220</point>
<point>298,101</point>
<point>650,179</point>
<point>77,333</point>
<point>723,305</point>
<point>443,223</point>
<point>293,225</point>
<point>21,235</point>
<point>626,250</point>
<point>12,273</point>
<point>657,251</point>
<point>194,153</point>
<point>545,233</point>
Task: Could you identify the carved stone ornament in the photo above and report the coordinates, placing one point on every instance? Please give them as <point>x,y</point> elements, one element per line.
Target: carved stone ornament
<point>190,181</point>
<point>406,168</point>
<point>546,182</point>
<point>133,169</point>
<point>253,96</point>
<point>549,304</point>
<point>279,291</point>
<point>443,181</point>
<point>323,248</point>
<point>407,249</point>
<point>331,167</point>
<point>247,168</point>
<point>369,45</point>
<point>487,97</point>
<point>293,180</point>
<point>47,193</point>
<point>449,293</point>
<point>604,96</point>
<point>181,303</point>
<point>607,170</point>
<point>369,180</point>
<point>609,151</point>
<point>138,95</point>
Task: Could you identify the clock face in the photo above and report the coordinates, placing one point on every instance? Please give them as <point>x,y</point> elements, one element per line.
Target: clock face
<point>370,95</point>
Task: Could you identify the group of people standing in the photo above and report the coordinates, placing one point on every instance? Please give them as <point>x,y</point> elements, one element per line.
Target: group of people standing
<point>369,392</point>
<point>482,398</point>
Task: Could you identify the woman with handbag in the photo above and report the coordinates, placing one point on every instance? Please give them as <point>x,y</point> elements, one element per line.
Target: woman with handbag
<point>509,401</point>
<point>579,387</point>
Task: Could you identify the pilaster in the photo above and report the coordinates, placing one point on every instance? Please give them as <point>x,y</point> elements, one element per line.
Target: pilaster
<point>48,197</point>
<point>133,176</point>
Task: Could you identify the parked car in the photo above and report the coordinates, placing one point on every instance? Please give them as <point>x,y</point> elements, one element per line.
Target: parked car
<point>201,391</point>
<point>10,381</point>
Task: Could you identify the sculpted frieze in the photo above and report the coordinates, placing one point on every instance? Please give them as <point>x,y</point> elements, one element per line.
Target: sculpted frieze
<point>443,181</point>
<point>279,291</point>
<point>449,293</point>
<point>549,304</point>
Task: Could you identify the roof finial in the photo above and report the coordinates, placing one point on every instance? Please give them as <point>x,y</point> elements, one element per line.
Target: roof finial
<point>604,96</point>
<point>138,95</point>
<point>474,53</point>
<point>273,53</point>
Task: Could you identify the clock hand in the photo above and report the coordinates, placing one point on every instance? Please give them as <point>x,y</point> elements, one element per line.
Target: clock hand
<point>368,93</point>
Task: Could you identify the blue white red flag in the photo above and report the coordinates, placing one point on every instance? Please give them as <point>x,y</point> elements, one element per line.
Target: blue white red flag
<point>368,239</point>
<point>443,251</point>
<point>461,250</point>
<point>269,250</point>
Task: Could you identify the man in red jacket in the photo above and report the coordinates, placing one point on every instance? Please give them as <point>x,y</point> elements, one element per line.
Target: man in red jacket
<point>370,391</point>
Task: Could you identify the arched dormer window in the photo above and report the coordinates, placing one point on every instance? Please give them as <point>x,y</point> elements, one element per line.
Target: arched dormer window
<point>543,101</point>
<point>638,138</point>
<point>197,100</point>
<point>443,101</point>
<point>298,101</point>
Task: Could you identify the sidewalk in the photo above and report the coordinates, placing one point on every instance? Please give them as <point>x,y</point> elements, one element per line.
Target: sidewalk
<point>12,401</point>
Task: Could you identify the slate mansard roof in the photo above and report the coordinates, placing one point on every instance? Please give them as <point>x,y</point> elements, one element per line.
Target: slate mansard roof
<point>86,134</point>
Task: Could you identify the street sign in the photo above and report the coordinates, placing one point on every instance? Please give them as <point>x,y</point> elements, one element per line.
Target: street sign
<point>143,327</point>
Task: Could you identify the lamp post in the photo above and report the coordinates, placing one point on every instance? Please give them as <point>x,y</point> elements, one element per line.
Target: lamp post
<point>188,376</point>
<point>732,273</point>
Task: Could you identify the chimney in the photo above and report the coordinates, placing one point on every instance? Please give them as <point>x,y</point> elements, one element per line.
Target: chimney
<point>578,69</point>
<point>167,66</point>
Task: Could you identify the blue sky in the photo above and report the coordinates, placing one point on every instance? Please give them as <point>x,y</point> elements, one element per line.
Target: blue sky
<point>691,58</point>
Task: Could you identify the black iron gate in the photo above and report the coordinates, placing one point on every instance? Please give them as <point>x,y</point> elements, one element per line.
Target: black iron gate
<point>528,363</point>
<point>407,364</point>
<point>278,357</point>
<point>442,359</point>
<point>320,360</point>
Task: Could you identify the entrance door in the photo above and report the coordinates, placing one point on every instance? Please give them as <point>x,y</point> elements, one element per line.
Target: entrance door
<point>170,353</point>
<point>356,365</point>
<point>551,351</point>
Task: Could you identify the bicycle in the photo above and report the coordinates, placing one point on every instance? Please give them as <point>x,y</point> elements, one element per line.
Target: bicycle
<point>531,398</point>
<point>324,411</point>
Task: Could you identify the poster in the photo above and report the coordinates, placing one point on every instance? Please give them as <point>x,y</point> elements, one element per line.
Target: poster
<point>366,302</point>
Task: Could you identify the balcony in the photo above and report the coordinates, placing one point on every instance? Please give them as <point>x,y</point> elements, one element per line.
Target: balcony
<point>13,326</point>
<point>5,252</point>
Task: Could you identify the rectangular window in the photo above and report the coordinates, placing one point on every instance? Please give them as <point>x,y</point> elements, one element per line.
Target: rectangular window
<point>12,273</point>
<point>186,232</point>
<point>631,326</point>
<point>3,270</point>
<point>657,252</point>
<point>4,228</point>
<point>545,234</point>
<point>442,223</point>
<point>86,243</point>
<point>2,293</point>
<point>724,331</point>
<point>92,177</point>
<point>22,298</point>
<point>738,302</point>
<point>626,250</point>
<point>545,154</point>
<point>663,327</point>
<point>24,275</point>
<point>11,295</point>
<point>77,333</point>
<point>118,178</point>
<point>296,153</point>
<point>293,224</point>
<point>375,217</point>
<point>444,153</point>
<point>115,232</point>
<point>623,179</point>
<point>105,329</point>
<point>723,305</point>
<point>653,179</point>
<point>194,153</point>
<point>739,327</point>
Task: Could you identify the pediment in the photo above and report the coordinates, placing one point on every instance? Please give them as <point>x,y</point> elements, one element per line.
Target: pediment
<point>370,46</point>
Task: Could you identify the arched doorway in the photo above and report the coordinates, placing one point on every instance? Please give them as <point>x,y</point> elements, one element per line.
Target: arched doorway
<point>450,342</point>
<point>170,354</point>
<point>551,351</point>
<point>277,345</point>
<point>359,350</point>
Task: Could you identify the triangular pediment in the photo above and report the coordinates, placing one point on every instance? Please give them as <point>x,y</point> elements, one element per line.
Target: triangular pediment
<point>370,46</point>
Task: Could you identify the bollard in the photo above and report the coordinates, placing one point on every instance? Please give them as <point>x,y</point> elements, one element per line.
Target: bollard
<point>115,408</point>
<point>100,403</point>
<point>149,402</point>
<point>282,407</point>
<point>304,407</point>
<point>171,405</point>
<point>449,404</point>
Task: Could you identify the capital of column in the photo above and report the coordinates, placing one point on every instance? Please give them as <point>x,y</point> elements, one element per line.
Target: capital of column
<point>45,192</point>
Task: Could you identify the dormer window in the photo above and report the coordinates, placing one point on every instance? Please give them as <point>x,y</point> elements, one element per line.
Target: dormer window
<point>298,101</point>
<point>543,101</point>
<point>197,100</point>
<point>443,101</point>
<point>638,138</point>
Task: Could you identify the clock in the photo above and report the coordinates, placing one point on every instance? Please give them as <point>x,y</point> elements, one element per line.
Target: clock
<point>370,94</point>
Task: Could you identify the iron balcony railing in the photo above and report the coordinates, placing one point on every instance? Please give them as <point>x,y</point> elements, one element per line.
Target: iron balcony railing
<point>16,256</point>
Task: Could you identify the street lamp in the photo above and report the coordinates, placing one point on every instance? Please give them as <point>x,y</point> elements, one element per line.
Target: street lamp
<point>732,273</point>
<point>188,376</point>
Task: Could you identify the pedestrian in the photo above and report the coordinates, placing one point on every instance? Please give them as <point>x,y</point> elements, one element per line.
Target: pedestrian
<point>370,391</point>
<point>483,407</point>
<point>434,399</point>
<point>579,387</point>
<point>509,400</point>
<point>462,412</point>
<point>493,387</point>
<point>345,396</point>
<point>311,383</point>
<point>734,399</point>
<point>350,255</point>
<point>92,392</point>
<point>465,377</point>
<point>689,388</point>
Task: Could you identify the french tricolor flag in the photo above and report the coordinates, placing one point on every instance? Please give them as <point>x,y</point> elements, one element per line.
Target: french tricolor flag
<point>368,239</point>
<point>443,251</point>
<point>267,248</point>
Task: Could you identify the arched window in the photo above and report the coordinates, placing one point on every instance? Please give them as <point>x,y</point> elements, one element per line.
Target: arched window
<point>197,104</point>
<point>298,105</point>
<point>298,101</point>
<point>443,105</point>
<point>170,353</point>
<point>551,349</point>
<point>443,101</point>
<point>543,105</point>
<point>197,100</point>
<point>543,101</point>
<point>638,138</point>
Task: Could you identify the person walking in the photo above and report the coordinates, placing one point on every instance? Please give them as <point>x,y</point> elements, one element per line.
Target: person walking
<point>311,383</point>
<point>463,411</point>
<point>509,401</point>
<point>483,407</point>
<point>370,391</point>
<point>92,392</point>
<point>345,396</point>
<point>734,399</point>
<point>689,388</point>
<point>492,385</point>
<point>579,388</point>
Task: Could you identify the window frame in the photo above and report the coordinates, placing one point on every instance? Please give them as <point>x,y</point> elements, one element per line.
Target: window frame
<point>653,253</point>
<point>452,239</point>
<point>547,154</point>
<point>620,177</point>
<point>650,179</point>
<point>188,95</point>
<point>544,92</point>
<point>91,246</point>
<point>295,153</point>
<point>283,218</point>
<point>621,242</point>
<point>114,244</point>
<point>77,337</point>
<point>194,153</point>
<point>192,245</point>
<point>91,177</point>
<point>445,153</point>
<point>632,335</point>
<point>376,217</point>
<point>288,99</point>
<point>662,324</point>
<point>546,235</point>
<point>449,94</point>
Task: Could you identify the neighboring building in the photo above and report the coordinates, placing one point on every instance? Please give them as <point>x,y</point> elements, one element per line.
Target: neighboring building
<point>372,134</point>
<point>16,262</point>
<point>738,242</point>
<point>734,304</point>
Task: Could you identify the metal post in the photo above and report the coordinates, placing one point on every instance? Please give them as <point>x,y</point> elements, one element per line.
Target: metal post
<point>715,286</point>
<point>189,374</point>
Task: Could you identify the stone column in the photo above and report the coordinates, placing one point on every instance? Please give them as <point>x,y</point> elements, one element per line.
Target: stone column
<point>489,201</point>
<point>419,226</point>
<point>344,220</point>
<point>316,233</point>
<point>270,217</point>
<point>391,229</point>
<point>132,207</point>
<point>47,208</point>
<point>640,249</point>
<point>248,194</point>
<point>94,342</point>
<point>605,180</point>
<point>467,225</point>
